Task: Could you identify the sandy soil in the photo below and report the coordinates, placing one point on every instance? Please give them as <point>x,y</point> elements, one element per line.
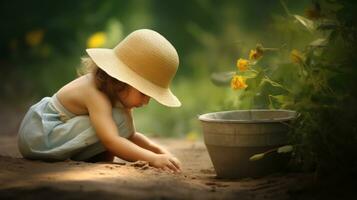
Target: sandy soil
<point>26,179</point>
<point>21,178</point>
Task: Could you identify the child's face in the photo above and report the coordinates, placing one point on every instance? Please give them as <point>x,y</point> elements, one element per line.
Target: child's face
<point>133,98</point>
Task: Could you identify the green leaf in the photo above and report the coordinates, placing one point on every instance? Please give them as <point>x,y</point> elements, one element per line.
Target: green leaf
<point>283,100</point>
<point>253,80</point>
<point>249,74</point>
<point>285,149</point>
<point>309,25</point>
<point>222,78</point>
<point>321,42</point>
<point>259,78</point>
<point>256,157</point>
<point>328,24</point>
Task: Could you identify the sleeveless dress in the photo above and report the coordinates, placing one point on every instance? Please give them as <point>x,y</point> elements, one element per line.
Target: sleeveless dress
<point>50,132</point>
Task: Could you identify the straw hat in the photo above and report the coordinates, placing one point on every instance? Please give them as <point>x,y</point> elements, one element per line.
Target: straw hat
<point>144,60</point>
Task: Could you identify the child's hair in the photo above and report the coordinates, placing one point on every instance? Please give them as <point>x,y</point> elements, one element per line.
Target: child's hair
<point>105,83</point>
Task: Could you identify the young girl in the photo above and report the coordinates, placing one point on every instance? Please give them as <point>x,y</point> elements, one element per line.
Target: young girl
<point>90,119</point>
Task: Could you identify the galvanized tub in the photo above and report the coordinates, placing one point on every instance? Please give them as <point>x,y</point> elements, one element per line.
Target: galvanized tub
<point>232,137</point>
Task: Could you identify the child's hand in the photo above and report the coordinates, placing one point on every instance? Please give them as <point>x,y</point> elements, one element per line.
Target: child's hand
<point>176,162</point>
<point>166,162</point>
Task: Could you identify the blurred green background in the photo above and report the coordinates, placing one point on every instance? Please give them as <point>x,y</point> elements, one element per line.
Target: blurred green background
<point>42,42</point>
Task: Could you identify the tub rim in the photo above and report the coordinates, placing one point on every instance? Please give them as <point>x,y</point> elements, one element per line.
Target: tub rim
<point>293,115</point>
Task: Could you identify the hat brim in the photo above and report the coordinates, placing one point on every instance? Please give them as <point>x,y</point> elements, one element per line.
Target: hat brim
<point>107,60</point>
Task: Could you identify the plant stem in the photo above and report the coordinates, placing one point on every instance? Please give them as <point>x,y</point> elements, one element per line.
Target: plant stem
<point>273,83</point>
<point>285,8</point>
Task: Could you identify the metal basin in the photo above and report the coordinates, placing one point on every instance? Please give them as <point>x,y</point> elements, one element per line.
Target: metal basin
<point>232,137</point>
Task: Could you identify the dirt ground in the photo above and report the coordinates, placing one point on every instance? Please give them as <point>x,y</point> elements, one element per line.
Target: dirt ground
<point>25,179</point>
<point>21,178</point>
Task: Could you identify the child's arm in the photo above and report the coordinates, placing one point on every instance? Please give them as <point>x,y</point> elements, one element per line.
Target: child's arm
<point>144,142</point>
<point>100,114</point>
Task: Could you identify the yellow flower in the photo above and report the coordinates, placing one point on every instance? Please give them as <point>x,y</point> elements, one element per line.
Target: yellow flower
<point>255,54</point>
<point>242,64</point>
<point>296,56</point>
<point>98,39</point>
<point>238,82</point>
<point>34,38</point>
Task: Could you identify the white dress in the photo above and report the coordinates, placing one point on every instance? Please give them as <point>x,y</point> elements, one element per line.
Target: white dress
<point>50,132</point>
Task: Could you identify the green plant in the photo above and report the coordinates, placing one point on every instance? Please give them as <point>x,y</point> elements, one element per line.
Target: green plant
<point>318,83</point>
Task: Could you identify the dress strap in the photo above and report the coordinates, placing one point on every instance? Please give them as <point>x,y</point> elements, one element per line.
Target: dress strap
<point>64,113</point>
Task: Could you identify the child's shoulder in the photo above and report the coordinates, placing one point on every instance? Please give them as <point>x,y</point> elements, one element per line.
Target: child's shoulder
<point>81,93</point>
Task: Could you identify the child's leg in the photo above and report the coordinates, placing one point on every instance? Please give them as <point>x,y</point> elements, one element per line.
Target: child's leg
<point>102,157</point>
